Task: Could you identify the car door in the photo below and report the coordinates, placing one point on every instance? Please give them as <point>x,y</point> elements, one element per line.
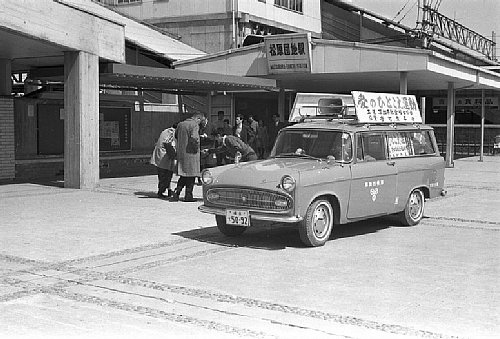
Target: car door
<point>374,178</point>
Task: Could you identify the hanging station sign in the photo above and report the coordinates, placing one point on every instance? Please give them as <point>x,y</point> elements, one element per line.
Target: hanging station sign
<point>288,53</point>
<point>386,108</point>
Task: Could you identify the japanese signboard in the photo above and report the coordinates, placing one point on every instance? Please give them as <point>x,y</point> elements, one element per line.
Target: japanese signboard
<point>386,108</point>
<point>289,53</point>
<point>472,102</point>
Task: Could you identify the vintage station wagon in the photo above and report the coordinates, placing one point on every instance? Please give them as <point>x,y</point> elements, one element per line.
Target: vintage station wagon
<point>326,171</point>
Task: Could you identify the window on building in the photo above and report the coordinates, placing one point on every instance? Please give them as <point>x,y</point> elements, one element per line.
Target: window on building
<point>120,2</point>
<point>293,5</point>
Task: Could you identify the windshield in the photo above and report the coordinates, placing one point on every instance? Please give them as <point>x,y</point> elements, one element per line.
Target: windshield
<point>333,145</point>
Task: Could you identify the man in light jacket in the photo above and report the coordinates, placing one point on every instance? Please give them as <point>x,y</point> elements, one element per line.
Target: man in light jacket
<point>163,158</point>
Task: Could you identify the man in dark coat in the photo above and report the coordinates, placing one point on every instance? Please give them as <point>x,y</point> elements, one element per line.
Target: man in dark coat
<point>273,130</point>
<point>188,156</point>
<point>231,145</point>
<point>242,130</point>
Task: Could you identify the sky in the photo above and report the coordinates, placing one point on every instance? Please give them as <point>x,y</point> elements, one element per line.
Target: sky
<point>482,16</point>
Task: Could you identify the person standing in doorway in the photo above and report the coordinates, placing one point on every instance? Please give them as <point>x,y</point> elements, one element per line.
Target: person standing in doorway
<point>261,140</point>
<point>188,156</point>
<point>163,158</point>
<point>242,130</point>
<point>274,128</point>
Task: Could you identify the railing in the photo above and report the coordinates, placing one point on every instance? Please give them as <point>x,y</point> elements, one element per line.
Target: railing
<point>467,141</point>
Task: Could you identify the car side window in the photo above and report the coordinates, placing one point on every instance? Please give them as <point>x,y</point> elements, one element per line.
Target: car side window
<point>373,146</point>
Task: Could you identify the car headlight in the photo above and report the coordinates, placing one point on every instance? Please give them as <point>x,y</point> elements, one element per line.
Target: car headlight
<point>288,183</point>
<point>206,177</point>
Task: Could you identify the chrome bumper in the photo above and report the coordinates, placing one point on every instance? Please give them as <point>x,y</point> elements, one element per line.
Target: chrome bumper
<point>257,215</point>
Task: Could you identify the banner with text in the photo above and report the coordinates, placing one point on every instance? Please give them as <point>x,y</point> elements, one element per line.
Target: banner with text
<point>288,53</point>
<point>386,108</point>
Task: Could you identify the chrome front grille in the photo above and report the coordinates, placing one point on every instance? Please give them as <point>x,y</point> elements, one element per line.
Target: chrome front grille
<point>247,198</point>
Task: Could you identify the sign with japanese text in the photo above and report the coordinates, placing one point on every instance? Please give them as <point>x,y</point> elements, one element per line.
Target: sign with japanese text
<point>474,102</point>
<point>289,53</point>
<point>386,108</point>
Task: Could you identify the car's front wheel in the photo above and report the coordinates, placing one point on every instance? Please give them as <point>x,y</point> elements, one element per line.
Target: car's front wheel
<point>226,229</point>
<point>317,226</point>
<point>414,209</point>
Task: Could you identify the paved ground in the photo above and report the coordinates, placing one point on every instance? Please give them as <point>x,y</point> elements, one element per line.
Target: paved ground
<point>120,263</point>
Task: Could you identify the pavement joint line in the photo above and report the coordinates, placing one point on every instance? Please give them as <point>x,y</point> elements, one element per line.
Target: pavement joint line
<point>156,313</point>
<point>224,312</point>
<point>255,303</point>
<point>462,220</point>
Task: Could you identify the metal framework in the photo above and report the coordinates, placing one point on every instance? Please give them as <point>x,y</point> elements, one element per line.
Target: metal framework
<point>434,22</point>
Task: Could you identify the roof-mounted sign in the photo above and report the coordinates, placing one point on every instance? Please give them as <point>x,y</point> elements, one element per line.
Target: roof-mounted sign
<point>386,108</point>
<point>288,53</point>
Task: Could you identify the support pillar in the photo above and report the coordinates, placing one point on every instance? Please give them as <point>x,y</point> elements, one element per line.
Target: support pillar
<point>422,108</point>
<point>281,104</point>
<point>81,120</point>
<point>403,82</point>
<point>483,111</point>
<point>7,142</point>
<point>450,125</point>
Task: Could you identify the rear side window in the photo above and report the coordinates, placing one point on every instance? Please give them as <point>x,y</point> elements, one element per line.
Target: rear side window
<point>371,147</point>
<point>409,144</point>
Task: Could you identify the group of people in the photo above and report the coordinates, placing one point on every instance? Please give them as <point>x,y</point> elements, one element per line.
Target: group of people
<point>181,147</point>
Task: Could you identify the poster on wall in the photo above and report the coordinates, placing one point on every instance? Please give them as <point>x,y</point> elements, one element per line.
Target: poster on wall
<point>288,53</point>
<point>386,108</point>
<point>114,129</point>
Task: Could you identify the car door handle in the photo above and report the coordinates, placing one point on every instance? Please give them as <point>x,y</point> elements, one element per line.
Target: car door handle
<point>391,163</point>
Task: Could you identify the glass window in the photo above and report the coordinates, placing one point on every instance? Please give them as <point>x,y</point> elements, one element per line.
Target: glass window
<point>293,5</point>
<point>373,147</point>
<point>320,144</point>
<point>422,143</point>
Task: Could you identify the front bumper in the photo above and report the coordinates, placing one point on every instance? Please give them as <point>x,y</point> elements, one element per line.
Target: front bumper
<point>254,214</point>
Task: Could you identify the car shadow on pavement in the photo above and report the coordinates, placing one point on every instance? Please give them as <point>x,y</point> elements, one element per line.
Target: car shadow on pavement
<point>365,227</point>
<point>265,237</point>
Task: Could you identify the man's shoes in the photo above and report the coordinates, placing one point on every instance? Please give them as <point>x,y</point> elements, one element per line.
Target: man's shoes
<point>170,193</point>
<point>160,195</point>
<point>189,198</point>
<point>174,197</point>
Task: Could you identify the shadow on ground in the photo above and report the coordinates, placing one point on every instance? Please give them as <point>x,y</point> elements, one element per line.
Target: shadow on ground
<point>275,236</point>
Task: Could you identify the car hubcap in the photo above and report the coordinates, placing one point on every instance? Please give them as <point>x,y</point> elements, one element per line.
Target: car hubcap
<point>321,220</point>
<point>415,205</point>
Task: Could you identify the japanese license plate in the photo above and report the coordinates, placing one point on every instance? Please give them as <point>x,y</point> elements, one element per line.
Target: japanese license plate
<point>238,217</point>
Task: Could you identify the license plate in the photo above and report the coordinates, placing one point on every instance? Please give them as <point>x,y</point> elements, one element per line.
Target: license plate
<point>238,218</point>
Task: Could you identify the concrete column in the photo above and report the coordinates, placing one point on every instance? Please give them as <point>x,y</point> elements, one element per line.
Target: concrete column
<point>281,104</point>
<point>403,82</point>
<point>450,125</point>
<point>81,120</point>
<point>7,142</point>
<point>5,77</point>
<point>483,111</point>
<point>422,108</point>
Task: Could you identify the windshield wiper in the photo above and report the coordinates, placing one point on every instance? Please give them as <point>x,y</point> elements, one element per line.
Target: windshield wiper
<point>298,155</point>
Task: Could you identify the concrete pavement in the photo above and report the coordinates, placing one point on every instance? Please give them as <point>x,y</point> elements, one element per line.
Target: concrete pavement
<point>118,262</point>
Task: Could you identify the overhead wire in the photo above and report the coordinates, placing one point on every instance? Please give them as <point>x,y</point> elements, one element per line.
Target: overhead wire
<point>408,11</point>
<point>399,12</point>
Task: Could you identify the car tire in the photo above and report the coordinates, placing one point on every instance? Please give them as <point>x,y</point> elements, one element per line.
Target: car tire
<point>229,230</point>
<point>414,209</point>
<point>317,225</point>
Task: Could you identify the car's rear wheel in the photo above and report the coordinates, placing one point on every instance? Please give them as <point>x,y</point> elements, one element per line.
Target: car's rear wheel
<point>317,226</point>
<point>229,230</point>
<point>414,209</point>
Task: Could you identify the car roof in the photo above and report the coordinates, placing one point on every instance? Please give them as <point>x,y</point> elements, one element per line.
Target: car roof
<point>354,126</point>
